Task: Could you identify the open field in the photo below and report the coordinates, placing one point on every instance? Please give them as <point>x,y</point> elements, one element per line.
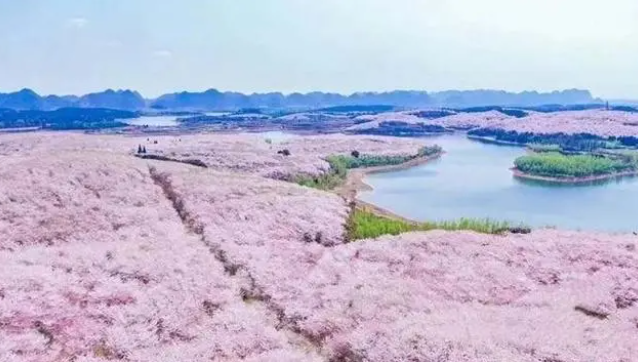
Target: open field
<point>109,257</point>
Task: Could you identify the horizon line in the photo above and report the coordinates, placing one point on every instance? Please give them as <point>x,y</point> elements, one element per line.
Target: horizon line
<point>287,94</point>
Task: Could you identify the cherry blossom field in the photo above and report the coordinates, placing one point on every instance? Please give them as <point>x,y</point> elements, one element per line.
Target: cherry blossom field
<point>460,120</point>
<point>252,154</point>
<point>491,119</point>
<point>108,257</point>
<point>97,265</point>
<point>597,122</point>
<point>374,120</point>
<point>245,153</point>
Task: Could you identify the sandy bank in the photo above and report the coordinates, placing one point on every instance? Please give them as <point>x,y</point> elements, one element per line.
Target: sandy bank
<point>355,183</point>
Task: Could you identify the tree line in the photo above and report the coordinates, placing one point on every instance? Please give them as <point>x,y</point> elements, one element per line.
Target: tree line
<point>577,142</point>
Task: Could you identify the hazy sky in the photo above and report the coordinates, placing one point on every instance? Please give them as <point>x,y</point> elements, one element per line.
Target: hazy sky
<point>157,46</point>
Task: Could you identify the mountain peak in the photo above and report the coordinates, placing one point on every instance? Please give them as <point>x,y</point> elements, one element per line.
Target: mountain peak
<point>27,91</point>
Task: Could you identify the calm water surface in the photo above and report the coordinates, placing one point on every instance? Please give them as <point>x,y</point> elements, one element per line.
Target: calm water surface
<point>473,180</point>
<point>277,136</point>
<point>154,121</point>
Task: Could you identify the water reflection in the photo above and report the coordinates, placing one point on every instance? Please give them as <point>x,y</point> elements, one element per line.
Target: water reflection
<point>544,183</point>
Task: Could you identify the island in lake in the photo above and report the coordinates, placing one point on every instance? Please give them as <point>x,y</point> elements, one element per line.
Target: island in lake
<point>573,168</point>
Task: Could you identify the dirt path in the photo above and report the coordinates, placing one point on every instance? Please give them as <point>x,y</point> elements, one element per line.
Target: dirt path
<point>250,292</point>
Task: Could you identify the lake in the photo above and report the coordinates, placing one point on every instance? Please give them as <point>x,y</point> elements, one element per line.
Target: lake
<point>275,136</point>
<point>472,179</point>
<point>154,121</point>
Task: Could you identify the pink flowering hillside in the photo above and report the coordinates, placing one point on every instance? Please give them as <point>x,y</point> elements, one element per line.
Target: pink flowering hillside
<point>53,142</point>
<point>492,119</point>
<point>374,120</point>
<point>598,122</point>
<point>108,257</point>
<point>459,120</point>
<point>429,296</point>
<point>97,265</point>
<point>548,296</point>
<point>252,154</point>
<point>244,153</point>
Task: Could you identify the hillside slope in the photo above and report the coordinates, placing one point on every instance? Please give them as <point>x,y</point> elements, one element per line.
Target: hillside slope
<point>109,257</point>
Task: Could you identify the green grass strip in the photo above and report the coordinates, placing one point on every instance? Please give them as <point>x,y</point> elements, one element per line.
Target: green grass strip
<point>364,224</point>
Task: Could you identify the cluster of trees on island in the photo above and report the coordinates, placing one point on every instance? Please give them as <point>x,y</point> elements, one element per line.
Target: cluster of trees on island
<point>559,165</point>
<point>563,156</point>
<point>577,142</point>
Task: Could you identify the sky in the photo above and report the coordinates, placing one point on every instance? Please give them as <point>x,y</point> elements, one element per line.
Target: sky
<point>161,46</point>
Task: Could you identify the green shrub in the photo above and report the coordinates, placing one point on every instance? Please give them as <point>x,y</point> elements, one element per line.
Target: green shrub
<point>327,181</point>
<point>430,151</point>
<point>364,161</point>
<point>364,224</point>
<point>340,164</point>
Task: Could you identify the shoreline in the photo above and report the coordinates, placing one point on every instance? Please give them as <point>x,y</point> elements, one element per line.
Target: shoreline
<point>494,141</point>
<point>354,184</point>
<point>572,180</point>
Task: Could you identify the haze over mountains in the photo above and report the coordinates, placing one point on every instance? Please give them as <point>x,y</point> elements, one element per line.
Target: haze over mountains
<point>214,100</point>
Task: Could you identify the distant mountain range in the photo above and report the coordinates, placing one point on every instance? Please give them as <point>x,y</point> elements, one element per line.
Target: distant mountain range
<point>27,99</point>
<point>214,100</point>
